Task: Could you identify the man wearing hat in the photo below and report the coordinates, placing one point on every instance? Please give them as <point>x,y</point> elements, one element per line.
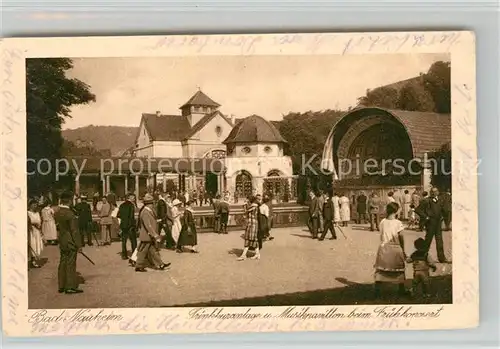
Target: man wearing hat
<point>149,237</point>
<point>164,211</point>
<point>84,213</point>
<point>69,245</point>
<point>126,214</point>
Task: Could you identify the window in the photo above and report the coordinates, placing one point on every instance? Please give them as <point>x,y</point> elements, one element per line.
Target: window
<point>218,131</point>
<point>218,154</point>
<point>246,150</point>
<point>268,149</point>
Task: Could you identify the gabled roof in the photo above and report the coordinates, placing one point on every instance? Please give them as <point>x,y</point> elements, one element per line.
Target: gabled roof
<point>254,129</point>
<point>204,121</point>
<point>199,98</point>
<point>166,127</point>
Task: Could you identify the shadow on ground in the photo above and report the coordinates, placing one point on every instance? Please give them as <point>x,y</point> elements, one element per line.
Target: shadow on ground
<point>352,293</point>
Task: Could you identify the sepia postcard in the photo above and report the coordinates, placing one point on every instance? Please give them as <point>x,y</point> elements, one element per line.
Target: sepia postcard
<point>239,183</point>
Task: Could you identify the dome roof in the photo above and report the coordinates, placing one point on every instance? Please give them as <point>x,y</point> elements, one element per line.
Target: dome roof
<point>254,129</point>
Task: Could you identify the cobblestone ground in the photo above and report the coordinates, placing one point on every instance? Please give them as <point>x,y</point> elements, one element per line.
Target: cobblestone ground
<point>294,269</point>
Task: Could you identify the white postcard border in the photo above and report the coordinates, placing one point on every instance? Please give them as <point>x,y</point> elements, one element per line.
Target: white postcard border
<point>18,320</point>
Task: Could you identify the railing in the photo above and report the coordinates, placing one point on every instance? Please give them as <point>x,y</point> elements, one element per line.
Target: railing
<point>282,216</point>
<point>290,216</point>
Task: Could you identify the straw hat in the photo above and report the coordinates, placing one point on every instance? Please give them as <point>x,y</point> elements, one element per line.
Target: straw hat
<point>176,202</point>
<point>148,198</point>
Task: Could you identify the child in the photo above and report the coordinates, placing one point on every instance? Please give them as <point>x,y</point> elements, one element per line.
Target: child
<point>412,218</point>
<point>421,265</point>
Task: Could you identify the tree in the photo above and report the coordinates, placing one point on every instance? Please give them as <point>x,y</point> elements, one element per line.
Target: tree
<point>437,81</point>
<point>382,97</point>
<point>414,97</point>
<point>441,174</point>
<point>49,96</point>
<point>428,93</point>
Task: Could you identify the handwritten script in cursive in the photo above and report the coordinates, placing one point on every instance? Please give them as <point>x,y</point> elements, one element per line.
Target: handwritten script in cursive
<point>310,43</point>
<point>14,282</point>
<point>467,170</point>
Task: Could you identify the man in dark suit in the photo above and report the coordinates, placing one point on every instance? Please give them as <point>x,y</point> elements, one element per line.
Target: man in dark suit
<point>361,208</point>
<point>374,209</point>
<point>314,212</point>
<point>223,214</point>
<point>431,212</point>
<point>328,215</point>
<point>447,207</point>
<point>84,213</point>
<point>215,205</point>
<point>69,246</point>
<point>126,214</point>
<point>423,200</point>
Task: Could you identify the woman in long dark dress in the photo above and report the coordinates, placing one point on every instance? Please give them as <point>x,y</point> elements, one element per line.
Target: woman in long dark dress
<point>188,235</point>
<point>251,232</point>
<point>263,218</point>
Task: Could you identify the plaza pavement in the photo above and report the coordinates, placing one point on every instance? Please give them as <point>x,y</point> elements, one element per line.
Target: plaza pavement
<point>294,269</point>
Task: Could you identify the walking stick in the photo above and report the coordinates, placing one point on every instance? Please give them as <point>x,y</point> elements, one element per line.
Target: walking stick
<point>88,258</point>
<point>95,236</point>
<point>340,229</point>
<point>34,254</point>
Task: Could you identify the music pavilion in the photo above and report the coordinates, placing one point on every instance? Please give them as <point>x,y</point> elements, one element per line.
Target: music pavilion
<point>362,148</point>
<point>200,148</point>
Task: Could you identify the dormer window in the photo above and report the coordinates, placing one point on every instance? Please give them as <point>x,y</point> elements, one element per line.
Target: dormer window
<point>246,150</point>
<point>268,149</point>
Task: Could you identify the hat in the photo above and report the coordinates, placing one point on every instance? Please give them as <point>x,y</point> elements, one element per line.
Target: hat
<point>176,202</point>
<point>66,196</point>
<point>83,197</point>
<point>148,198</point>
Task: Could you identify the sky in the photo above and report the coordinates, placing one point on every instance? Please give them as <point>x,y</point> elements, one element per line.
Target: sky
<point>269,86</point>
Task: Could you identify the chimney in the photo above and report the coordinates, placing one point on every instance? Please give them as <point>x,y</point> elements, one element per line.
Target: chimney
<point>233,119</point>
<point>158,113</point>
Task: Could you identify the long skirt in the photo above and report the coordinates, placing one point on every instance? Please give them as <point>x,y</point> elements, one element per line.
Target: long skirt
<point>115,229</point>
<point>187,237</point>
<point>390,264</point>
<point>49,230</point>
<point>35,243</point>
<point>176,229</point>
<point>263,230</point>
<point>406,210</point>
<point>251,235</point>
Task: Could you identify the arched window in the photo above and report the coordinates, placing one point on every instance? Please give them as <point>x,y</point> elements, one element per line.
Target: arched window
<point>276,186</point>
<point>274,173</point>
<point>244,186</point>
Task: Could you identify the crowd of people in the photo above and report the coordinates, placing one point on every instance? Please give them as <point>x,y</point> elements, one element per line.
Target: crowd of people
<point>163,221</point>
<point>166,221</point>
<point>328,212</point>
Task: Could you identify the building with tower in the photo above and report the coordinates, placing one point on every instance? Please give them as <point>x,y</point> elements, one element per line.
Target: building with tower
<point>251,150</point>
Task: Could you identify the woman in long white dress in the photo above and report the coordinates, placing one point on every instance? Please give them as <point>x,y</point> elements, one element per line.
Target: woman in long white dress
<point>336,208</point>
<point>345,210</point>
<point>35,240</point>
<point>176,216</point>
<point>49,230</point>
